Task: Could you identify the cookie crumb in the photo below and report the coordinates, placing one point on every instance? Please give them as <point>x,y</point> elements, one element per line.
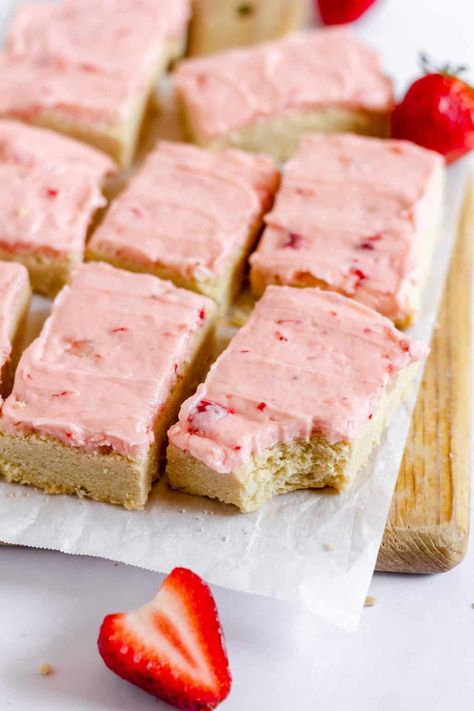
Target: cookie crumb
<point>329,547</point>
<point>370,601</point>
<point>46,669</point>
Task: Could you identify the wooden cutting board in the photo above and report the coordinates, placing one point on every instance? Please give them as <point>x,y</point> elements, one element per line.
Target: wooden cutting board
<point>427,528</point>
<point>428,525</point>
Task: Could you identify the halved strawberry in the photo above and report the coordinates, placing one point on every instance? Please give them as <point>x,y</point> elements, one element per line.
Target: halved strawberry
<point>173,646</point>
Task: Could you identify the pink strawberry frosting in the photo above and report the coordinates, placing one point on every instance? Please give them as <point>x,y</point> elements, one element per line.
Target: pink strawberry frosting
<point>88,58</point>
<point>13,284</point>
<point>100,35</point>
<point>306,361</point>
<point>314,69</point>
<point>353,212</point>
<point>105,362</point>
<point>50,188</point>
<point>188,209</point>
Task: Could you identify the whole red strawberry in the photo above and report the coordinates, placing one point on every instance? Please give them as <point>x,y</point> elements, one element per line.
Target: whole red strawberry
<point>437,112</point>
<point>339,12</point>
<point>173,646</point>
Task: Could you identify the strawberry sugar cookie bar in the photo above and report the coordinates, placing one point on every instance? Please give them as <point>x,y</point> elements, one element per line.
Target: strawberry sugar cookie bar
<point>220,24</point>
<point>357,215</point>
<point>191,216</point>
<point>263,98</point>
<point>50,188</point>
<point>15,296</point>
<point>297,400</point>
<point>93,397</point>
<point>87,67</point>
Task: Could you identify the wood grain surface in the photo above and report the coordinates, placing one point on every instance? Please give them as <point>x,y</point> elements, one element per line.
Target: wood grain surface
<point>428,525</point>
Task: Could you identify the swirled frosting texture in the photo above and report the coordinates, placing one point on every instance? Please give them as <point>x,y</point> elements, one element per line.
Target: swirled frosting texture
<point>315,69</point>
<point>188,209</point>
<point>354,212</point>
<point>106,360</point>
<point>88,58</point>
<point>306,361</point>
<point>50,188</point>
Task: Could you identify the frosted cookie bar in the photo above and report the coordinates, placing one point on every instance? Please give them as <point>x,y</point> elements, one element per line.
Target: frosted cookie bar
<point>220,24</point>
<point>87,67</point>
<point>50,188</point>
<point>15,296</point>
<point>190,216</point>
<point>263,98</point>
<point>297,400</point>
<point>357,215</point>
<point>95,393</point>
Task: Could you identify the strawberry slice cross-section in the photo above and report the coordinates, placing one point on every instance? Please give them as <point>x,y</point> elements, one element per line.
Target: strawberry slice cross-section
<point>173,646</point>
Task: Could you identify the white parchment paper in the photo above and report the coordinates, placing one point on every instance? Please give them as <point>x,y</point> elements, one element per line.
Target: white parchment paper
<point>281,550</point>
<point>309,547</point>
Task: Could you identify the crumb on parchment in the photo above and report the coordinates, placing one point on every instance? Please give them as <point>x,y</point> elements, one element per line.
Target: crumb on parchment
<point>46,669</point>
<point>370,601</point>
<point>329,547</point>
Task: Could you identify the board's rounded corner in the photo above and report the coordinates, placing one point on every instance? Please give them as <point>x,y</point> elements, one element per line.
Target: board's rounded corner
<point>437,549</point>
